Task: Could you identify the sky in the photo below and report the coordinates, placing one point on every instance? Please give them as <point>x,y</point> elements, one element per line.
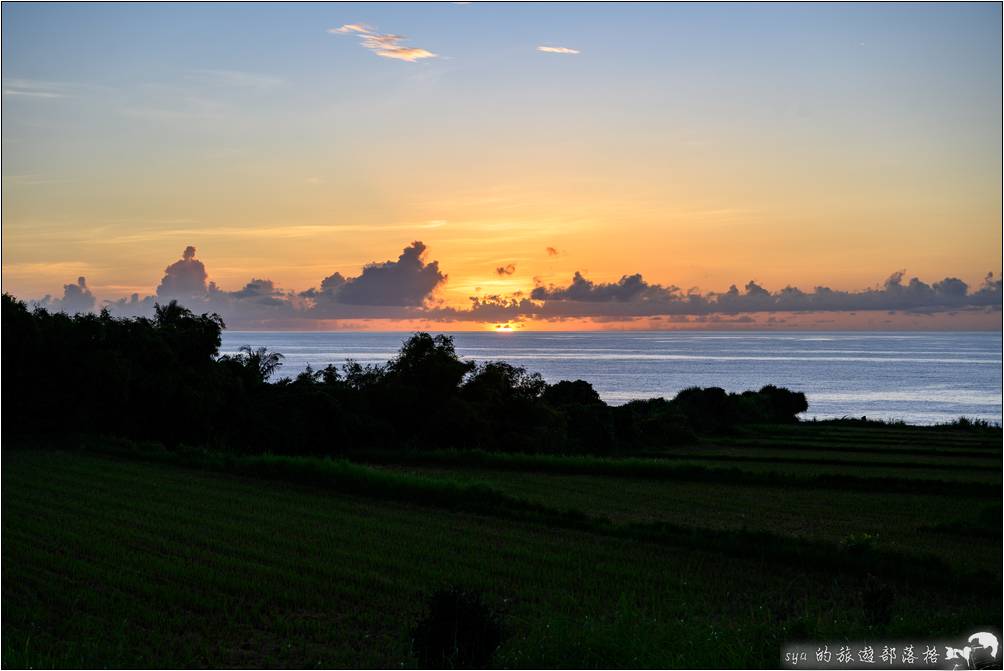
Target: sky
<point>553,165</point>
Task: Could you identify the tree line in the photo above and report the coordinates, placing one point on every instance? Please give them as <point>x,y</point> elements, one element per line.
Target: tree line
<point>162,378</point>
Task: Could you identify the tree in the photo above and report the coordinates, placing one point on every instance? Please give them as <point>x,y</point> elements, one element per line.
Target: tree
<point>430,364</point>
<point>260,362</point>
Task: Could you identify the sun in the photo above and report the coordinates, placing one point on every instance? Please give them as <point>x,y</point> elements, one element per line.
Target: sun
<point>504,328</point>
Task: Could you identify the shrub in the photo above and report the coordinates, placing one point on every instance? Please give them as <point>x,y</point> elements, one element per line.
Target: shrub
<point>783,404</point>
<point>459,631</point>
<point>859,543</point>
<point>876,601</point>
<point>967,424</point>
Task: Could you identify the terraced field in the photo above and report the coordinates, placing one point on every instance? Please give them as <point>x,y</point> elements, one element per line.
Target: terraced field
<point>903,522</point>
<point>121,560</point>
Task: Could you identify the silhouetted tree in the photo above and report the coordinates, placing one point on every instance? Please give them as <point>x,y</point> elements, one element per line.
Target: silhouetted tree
<point>428,363</point>
<point>259,362</point>
<point>501,382</point>
<point>162,378</point>
<point>578,392</point>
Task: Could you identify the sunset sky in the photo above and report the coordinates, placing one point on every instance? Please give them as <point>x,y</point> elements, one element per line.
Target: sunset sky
<point>700,146</point>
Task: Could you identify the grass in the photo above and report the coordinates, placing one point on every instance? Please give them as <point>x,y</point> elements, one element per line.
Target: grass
<point>116,557</point>
<point>848,475</point>
<point>478,496</point>
<point>901,522</point>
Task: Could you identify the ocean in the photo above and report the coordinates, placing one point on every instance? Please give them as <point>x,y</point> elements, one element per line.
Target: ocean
<point>919,377</point>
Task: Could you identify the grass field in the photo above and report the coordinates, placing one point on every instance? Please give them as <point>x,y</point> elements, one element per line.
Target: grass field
<point>114,560</point>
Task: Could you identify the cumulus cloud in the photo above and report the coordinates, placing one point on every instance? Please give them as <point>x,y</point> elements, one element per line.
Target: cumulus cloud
<point>633,296</point>
<point>183,279</point>
<point>329,285</point>
<point>386,45</point>
<point>557,50</point>
<point>258,289</point>
<point>76,298</point>
<point>391,289</point>
<point>134,306</point>
<point>405,282</point>
<point>627,288</point>
<point>404,288</point>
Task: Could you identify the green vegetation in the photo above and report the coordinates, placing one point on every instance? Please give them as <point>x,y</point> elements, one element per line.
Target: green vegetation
<point>118,554</point>
<point>167,506</point>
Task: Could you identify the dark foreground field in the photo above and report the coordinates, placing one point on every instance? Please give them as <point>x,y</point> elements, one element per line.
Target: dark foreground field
<point>710,555</point>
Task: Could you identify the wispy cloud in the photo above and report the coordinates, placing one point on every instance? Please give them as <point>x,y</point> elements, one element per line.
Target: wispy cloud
<point>386,45</point>
<point>32,94</point>
<point>34,88</point>
<point>558,50</point>
<point>351,28</point>
<point>389,46</point>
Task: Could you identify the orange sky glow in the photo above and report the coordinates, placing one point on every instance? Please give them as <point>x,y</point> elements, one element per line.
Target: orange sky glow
<point>846,148</point>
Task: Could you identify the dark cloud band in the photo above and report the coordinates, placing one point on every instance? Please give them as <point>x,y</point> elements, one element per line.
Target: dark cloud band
<point>403,289</point>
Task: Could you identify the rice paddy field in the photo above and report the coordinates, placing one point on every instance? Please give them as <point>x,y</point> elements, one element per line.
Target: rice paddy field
<point>710,555</point>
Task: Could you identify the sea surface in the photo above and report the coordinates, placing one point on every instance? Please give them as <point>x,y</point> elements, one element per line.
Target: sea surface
<point>921,377</point>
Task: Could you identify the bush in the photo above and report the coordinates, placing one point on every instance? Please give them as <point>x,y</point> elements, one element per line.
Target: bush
<point>967,424</point>
<point>861,543</point>
<point>877,601</point>
<point>459,632</point>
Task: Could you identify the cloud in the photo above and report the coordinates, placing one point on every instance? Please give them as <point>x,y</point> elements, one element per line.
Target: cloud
<point>386,45</point>
<point>632,296</point>
<point>25,89</point>
<point>391,289</point>
<point>254,289</point>
<point>389,46</point>
<point>31,94</point>
<point>558,50</point>
<point>76,298</point>
<point>405,282</point>
<point>134,306</point>
<point>551,251</point>
<point>351,28</point>
<point>34,88</point>
<point>404,289</point>
<point>183,279</point>
<point>581,289</point>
